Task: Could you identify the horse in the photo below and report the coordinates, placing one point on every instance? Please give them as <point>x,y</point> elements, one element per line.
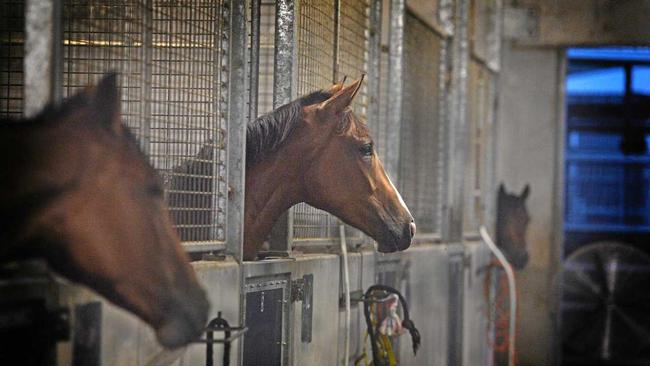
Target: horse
<point>316,150</point>
<point>511,225</point>
<point>78,192</point>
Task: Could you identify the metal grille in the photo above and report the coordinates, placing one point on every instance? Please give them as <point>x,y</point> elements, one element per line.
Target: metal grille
<point>479,115</point>
<point>353,47</point>
<point>12,37</point>
<point>172,58</point>
<point>419,130</point>
<point>379,128</point>
<point>315,59</point>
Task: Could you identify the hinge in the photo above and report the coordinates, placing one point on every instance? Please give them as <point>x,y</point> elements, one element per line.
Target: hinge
<point>298,290</point>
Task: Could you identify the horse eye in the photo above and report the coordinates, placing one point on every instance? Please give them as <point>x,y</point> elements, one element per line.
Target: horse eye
<point>367,149</point>
<point>155,190</point>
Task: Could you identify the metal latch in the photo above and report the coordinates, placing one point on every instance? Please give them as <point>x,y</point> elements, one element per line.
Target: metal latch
<point>302,290</point>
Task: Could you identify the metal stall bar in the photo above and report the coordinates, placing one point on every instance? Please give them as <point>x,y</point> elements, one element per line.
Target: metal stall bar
<point>12,42</point>
<point>42,55</point>
<point>284,90</point>
<point>315,58</point>
<point>442,170</point>
<point>452,228</point>
<point>481,106</point>
<point>237,122</point>
<point>374,54</point>
<point>419,123</point>
<point>475,112</point>
<point>493,39</point>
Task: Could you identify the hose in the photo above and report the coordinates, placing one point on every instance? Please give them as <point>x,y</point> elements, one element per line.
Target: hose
<point>346,294</point>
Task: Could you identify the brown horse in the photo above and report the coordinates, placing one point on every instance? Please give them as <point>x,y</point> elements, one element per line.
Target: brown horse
<point>316,150</point>
<point>78,192</point>
<point>512,222</point>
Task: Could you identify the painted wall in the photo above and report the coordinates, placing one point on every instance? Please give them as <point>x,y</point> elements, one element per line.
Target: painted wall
<point>528,126</point>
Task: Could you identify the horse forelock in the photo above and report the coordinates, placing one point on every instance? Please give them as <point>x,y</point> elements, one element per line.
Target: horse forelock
<point>268,132</point>
<point>350,122</point>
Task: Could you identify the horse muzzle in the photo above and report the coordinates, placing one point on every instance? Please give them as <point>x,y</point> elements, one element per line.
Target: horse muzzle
<point>397,238</point>
<point>184,320</point>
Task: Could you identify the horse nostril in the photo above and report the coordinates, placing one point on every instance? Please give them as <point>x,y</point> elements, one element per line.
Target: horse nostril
<point>413,229</point>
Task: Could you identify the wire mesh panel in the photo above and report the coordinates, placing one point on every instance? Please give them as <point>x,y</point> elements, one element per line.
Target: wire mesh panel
<point>100,37</point>
<point>172,59</point>
<point>419,131</point>
<point>315,59</point>
<point>12,38</point>
<point>353,47</point>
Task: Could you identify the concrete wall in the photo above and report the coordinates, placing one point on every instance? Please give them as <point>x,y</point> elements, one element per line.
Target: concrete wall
<point>527,146</point>
<point>586,22</point>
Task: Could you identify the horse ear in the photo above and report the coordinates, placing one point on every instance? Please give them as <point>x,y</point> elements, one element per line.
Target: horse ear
<point>342,99</point>
<point>502,189</point>
<point>525,192</point>
<point>106,103</point>
<point>337,87</point>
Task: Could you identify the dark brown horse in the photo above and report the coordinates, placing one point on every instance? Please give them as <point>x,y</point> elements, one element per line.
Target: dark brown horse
<point>77,191</point>
<point>512,222</point>
<point>316,150</point>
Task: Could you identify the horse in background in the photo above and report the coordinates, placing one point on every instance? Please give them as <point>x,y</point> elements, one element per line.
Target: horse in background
<point>511,225</point>
<point>316,150</point>
<point>78,192</point>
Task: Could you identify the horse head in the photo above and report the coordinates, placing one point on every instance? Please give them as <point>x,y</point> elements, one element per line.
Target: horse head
<point>512,221</point>
<point>108,226</point>
<point>329,161</point>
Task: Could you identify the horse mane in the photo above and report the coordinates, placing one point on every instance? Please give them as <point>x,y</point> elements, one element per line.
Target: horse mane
<point>268,132</point>
<point>50,113</point>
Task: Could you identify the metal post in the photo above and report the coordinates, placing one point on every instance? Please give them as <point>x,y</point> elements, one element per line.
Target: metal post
<point>452,229</point>
<point>284,90</point>
<point>254,58</point>
<point>237,122</point>
<point>395,86</point>
<point>284,72</point>
<point>43,55</point>
<point>444,68</point>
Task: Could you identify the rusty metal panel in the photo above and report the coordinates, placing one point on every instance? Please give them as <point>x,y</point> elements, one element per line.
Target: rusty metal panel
<point>173,61</point>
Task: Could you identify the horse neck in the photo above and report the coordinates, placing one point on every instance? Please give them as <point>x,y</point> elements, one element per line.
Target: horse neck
<point>36,175</point>
<point>273,185</point>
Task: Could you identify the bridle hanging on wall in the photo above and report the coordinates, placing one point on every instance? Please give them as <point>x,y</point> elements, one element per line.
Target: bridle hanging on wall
<point>372,296</point>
